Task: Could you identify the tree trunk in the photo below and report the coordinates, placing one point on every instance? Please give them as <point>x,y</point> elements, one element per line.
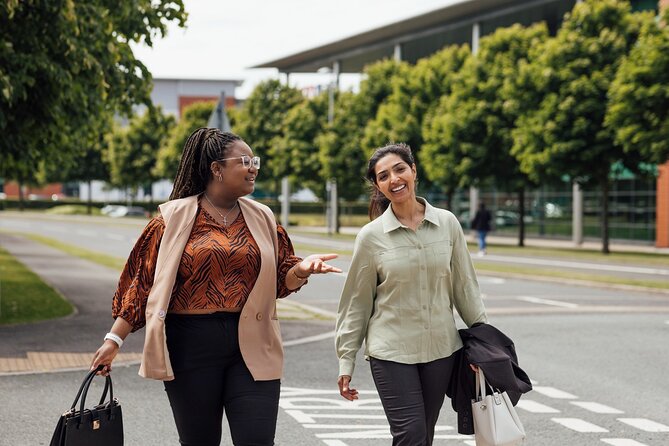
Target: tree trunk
<point>449,199</point>
<point>89,202</point>
<point>21,197</point>
<point>521,220</point>
<point>605,215</point>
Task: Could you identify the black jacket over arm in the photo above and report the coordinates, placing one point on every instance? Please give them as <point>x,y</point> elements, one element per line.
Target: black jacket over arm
<point>486,347</point>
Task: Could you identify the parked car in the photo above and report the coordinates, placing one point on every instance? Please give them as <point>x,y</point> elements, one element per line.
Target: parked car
<point>128,211</point>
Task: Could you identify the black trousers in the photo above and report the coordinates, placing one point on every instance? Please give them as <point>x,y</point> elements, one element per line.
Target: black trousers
<point>412,396</point>
<point>210,377</point>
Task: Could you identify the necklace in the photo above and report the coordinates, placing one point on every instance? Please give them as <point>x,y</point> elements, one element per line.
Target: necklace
<point>224,217</point>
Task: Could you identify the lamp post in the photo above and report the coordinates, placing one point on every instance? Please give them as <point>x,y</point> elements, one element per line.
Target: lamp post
<point>331,210</point>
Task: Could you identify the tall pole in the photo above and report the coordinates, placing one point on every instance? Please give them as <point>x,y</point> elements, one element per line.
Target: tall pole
<point>473,191</point>
<point>285,188</point>
<point>331,213</point>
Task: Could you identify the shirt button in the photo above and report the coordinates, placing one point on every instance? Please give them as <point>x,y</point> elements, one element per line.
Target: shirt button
<point>161,314</point>
<point>420,247</point>
<point>427,326</point>
<point>259,316</point>
<point>424,307</point>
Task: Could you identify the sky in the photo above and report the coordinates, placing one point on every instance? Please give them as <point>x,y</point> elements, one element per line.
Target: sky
<point>223,38</point>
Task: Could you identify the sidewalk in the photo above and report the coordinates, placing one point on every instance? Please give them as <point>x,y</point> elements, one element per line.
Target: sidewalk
<point>595,245</point>
<point>69,342</point>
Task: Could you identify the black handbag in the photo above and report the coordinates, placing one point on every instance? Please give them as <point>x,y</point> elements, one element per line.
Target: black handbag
<point>100,426</point>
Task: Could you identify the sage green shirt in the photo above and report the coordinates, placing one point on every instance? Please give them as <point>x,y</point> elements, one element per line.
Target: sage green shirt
<point>401,289</point>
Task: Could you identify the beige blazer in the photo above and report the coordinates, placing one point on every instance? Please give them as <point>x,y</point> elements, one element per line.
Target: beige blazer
<point>259,333</point>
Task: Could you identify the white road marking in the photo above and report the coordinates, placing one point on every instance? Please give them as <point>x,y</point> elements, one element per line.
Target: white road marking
<point>552,392</point>
<point>334,443</point>
<point>302,405</point>
<point>555,303</point>
<point>308,339</point>
<point>580,265</point>
<point>470,442</point>
<point>578,425</point>
<point>622,442</point>
<point>645,424</point>
<point>491,280</point>
<point>534,407</point>
<point>596,407</point>
<point>308,418</point>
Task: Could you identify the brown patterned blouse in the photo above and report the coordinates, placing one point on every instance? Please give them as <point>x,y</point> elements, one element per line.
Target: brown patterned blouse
<point>218,269</point>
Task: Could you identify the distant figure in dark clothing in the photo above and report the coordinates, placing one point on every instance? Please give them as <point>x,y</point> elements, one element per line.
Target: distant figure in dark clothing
<point>481,223</point>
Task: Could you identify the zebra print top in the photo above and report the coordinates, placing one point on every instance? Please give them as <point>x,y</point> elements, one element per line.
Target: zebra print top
<point>219,267</point>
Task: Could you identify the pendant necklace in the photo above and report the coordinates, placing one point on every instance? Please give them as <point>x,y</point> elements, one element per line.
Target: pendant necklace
<point>224,217</point>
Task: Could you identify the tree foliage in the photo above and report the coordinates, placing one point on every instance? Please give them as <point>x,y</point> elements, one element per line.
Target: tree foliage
<point>572,73</point>
<point>638,111</point>
<point>65,66</point>
<point>133,148</point>
<point>302,126</point>
<point>416,90</point>
<point>260,123</point>
<point>169,155</point>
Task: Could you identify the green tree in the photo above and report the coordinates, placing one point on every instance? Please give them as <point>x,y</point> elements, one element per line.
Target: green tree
<point>133,149</point>
<point>415,91</point>
<point>340,147</point>
<point>565,134</point>
<point>260,123</point>
<point>474,123</point>
<point>169,155</point>
<point>302,125</point>
<point>638,111</point>
<point>64,67</point>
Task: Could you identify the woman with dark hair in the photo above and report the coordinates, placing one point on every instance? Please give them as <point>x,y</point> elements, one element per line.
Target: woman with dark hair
<point>410,267</point>
<point>203,278</point>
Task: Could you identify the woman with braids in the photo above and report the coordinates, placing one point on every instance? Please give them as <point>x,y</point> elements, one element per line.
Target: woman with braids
<point>203,278</point>
<point>410,267</point>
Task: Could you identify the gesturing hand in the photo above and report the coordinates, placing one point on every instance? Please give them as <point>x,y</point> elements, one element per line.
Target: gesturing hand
<point>315,264</point>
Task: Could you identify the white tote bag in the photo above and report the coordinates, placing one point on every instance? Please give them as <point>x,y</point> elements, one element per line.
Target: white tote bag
<point>495,420</point>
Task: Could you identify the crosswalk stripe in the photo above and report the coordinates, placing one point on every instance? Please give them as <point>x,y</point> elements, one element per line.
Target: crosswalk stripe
<point>534,407</point>
<point>622,442</point>
<point>334,443</point>
<point>578,425</point>
<point>552,392</point>
<point>595,407</point>
<point>645,424</point>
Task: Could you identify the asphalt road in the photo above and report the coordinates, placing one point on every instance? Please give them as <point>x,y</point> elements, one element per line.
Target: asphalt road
<point>598,358</point>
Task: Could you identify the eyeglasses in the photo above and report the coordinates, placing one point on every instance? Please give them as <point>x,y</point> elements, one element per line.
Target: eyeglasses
<point>247,161</point>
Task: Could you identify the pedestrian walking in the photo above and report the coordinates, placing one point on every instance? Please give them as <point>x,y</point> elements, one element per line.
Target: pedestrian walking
<point>410,267</point>
<point>203,278</point>
<point>481,224</point>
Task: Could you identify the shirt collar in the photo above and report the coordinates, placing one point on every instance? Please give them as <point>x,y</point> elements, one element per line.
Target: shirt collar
<point>390,221</point>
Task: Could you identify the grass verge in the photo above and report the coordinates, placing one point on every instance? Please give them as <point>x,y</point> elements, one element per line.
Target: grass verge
<point>24,297</point>
<point>116,263</point>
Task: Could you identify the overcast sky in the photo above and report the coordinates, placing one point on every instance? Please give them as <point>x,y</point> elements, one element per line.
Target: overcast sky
<point>223,38</point>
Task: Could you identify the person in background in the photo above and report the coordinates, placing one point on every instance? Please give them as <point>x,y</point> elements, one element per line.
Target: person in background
<point>481,224</point>
<point>410,267</point>
<point>203,278</point>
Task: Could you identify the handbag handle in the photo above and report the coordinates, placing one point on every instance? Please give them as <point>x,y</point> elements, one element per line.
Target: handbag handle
<point>480,384</point>
<point>83,389</point>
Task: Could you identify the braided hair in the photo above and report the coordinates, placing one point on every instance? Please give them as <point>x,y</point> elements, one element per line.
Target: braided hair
<point>378,202</point>
<point>204,146</point>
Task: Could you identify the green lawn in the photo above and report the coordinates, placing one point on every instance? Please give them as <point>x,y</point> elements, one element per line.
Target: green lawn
<point>23,295</point>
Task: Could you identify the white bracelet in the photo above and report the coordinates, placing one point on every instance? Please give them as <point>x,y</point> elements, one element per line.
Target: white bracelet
<point>114,337</point>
